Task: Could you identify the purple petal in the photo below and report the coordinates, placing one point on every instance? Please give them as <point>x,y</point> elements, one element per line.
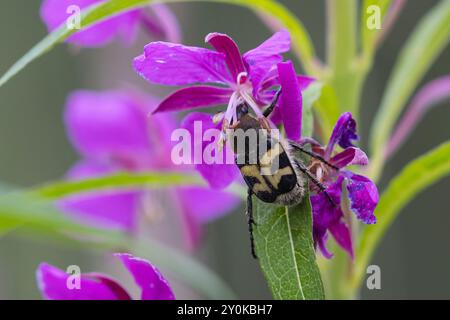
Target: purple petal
<point>344,132</point>
<point>276,116</point>
<point>115,287</point>
<point>52,283</point>
<point>363,196</point>
<point>320,240</point>
<point>328,216</point>
<point>54,13</point>
<point>326,213</point>
<point>224,44</point>
<point>343,236</point>
<point>174,64</point>
<point>304,81</point>
<point>266,95</point>
<point>201,205</point>
<point>207,204</point>
<point>430,95</point>
<point>221,173</point>
<point>194,97</point>
<point>291,101</point>
<point>272,80</point>
<point>161,127</point>
<point>152,283</point>
<point>266,56</point>
<point>350,156</point>
<point>106,125</point>
<point>112,210</point>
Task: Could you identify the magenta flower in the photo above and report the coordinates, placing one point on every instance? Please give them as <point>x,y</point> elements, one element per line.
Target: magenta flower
<point>237,78</point>
<point>219,77</point>
<point>53,283</point>
<point>362,192</point>
<point>113,131</point>
<point>162,23</point>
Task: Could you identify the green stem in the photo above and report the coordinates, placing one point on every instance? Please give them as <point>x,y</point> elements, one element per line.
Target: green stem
<point>341,53</point>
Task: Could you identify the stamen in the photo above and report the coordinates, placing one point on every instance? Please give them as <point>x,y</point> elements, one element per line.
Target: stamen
<point>218,117</point>
<point>252,104</point>
<point>231,107</point>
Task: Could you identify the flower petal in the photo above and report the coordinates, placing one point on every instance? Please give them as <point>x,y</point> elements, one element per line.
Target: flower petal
<point>112,210</point>
<point>291,101</point>
<point>152,283</point>
<point>174,64</point>
<point>53,284</point>
<point>105,125</point>
<point>272,80</point>
<point>276,116</point>
<point>220,172</point>
<point>56,12</point>
<point>343,236</point>
<point>207,204</point>
<point>350,156</point>
<point>194,97</point>
<point>328,216</point>
<point>266,56</point>
<point>326,213</point>
<point>320,240</point>
<point>224,44</point>
<point>344,132</point>
<point>363,194</point>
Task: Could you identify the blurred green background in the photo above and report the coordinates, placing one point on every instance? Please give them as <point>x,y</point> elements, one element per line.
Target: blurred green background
<point>414,256</point>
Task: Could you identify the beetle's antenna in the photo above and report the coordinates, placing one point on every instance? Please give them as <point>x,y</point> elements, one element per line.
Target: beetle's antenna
<point>312,154</point>
<point>272,106</point>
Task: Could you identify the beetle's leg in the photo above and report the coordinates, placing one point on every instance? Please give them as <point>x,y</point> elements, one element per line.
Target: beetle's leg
<point>272,106</point>
<point>251,222</point>
<point>321,187</point>
<point>312,154</point>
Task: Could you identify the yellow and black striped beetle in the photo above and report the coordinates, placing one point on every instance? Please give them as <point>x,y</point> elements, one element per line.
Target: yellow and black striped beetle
<point>270,169</point>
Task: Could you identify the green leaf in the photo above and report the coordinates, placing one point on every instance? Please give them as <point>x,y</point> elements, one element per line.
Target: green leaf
<point>96,13</point>
<point>424,45</point>
<point>125,181</point>
<point>414,178</point>
<point>121,180</point>
<point>23,212</point>
<point>17,209</point>
<point>285,249</point>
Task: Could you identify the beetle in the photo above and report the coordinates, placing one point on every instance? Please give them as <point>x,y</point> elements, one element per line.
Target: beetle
<point>271,170</point>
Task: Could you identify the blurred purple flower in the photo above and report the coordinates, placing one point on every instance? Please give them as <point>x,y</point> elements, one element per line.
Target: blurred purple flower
<point>53,283</point>
<point>362,192</point>
<point>113,132</point>
<point>162,23</point>
<point>223,76</point>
